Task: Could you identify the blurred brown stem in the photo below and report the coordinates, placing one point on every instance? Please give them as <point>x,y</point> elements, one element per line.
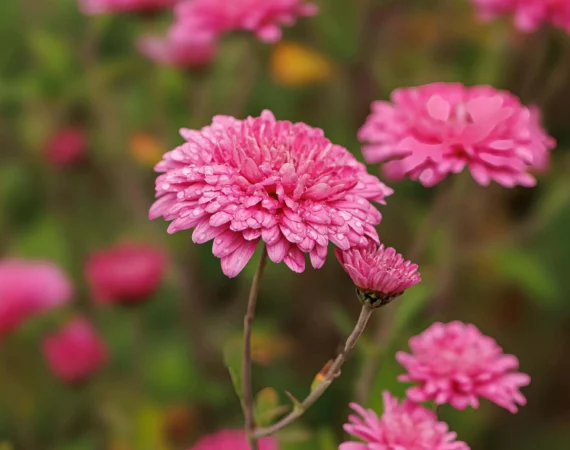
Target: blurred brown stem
<point>331,375</point>
<point>247,401</point>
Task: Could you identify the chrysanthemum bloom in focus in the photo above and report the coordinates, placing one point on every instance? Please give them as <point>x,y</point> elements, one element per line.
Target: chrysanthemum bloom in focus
<point>178,51</point>
<point>240,182</point>
<point>118,6</point>
<point>431,131</point>
<point>30,288</point>
<point>455,363</point>
<point>75,352</point>
<point>127,273</point>
<point>529,14</point>
<point>263,17</point>
<point>405,426</point>
<point>232,440</point>
<point>66,147</point>
<point>380,274</point>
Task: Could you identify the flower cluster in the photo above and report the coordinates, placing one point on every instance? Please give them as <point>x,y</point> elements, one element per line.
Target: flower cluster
<point>405,426</point>
<point>429,132</point>
<point>529,14</point>
<point>455,363</point>
<point>240,182</point>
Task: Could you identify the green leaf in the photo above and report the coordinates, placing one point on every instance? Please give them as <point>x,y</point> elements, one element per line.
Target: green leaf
<point>233,360</point>
<point>528,272</point>
<point>410,305</point>
<point>267,407</point>
<point>148,428</point>
<point>51,51</point>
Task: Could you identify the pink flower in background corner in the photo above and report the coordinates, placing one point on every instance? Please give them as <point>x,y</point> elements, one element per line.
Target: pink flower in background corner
<point>126,273</point>
<point>380,274</point>
<point>432,131</point>
<point>182,52</point>
<point>117,6</point>
<point>242,182</point>
<point>30,288</point>
<point>263,17</point>
<point>405,426</point>
<point>232,440</point>
<point>455,363</point>
<point>529,14</point>
<point>66,147</point>
<point>75,352</point>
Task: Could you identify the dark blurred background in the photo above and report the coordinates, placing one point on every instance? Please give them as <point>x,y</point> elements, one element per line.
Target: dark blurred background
<point>496,257</point>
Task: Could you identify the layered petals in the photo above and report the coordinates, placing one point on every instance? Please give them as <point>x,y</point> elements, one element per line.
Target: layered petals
<point>232,440</point>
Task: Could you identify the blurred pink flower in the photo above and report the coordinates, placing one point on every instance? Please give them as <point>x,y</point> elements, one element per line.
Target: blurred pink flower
<point>232,440</point>
<point>117,6</point>
<point>75,352</point>
<point>240,182</point>
<point>66,147</point>
<point>455,363</point>
<point>126,273</point>
<point>380,274</point>
<point>405,426</point>
<point>178,51</point>
<point>263,17</point>
<point>529,14</point>
<point>431,131</point>
<point>29,288</point>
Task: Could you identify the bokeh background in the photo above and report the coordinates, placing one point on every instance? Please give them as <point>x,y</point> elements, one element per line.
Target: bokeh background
<point>496,257</point>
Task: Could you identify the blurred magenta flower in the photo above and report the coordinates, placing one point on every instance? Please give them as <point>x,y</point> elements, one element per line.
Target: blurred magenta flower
<point>240,182</point>
<point>455,363</point>
<point>405,426</point>
<point>127,273</point>
<point>178,51</point>
<point>529,14</point>
<point>30,288</point>
<point>431,131</point>
<point>66,147</point>
<point>232,440</point>
<point>75,352</point>
<point>380,274</point>
<point>117,6</point>
<point>263,17</point>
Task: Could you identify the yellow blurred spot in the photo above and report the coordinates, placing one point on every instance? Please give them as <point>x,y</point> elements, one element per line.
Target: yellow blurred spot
<point>146,149</point>
<point>119,445</point>
<point>266,348</point>
<point>6,446</point>
<point>295,65</point>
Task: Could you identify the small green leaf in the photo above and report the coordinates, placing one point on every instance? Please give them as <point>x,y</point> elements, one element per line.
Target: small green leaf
<point>233,360</point>
<point>267,407</point>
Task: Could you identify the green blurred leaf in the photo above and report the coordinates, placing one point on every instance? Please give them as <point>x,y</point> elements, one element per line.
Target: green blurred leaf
<point>410,305</point>
<point>233,360</point>
<point>528,272</point>
<point>267,407</point>
<point>149,428</point>
<point>51,51</point>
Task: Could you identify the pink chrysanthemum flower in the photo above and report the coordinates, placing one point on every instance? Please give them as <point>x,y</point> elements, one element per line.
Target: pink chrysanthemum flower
<point>263,17</point>
<point>75,352</point>
<point>232,440</point>
<point>380,274</point>
<point>117,6</point>
<point>66,146</point>
<point>30,288</point>
<point>405,426</point>
<point>431,131</point>
<point>455,363</point>
<point>529,14</point>
<point>178,51</point>
<point>240,182</point>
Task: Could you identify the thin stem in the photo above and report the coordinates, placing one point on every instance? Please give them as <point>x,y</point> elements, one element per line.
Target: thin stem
<point>247,401</point>
<point>333,372</point>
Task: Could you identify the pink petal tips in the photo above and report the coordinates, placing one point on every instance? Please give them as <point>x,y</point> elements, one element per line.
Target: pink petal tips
<point>75,352</point>
<point>380,274</point>
<point>455,363</point>
<point>405,426</point>
<point>239,182</point>
<point>263,17</point>
<point>431,131</point>
<point>529,14</point>
<point>232,440</point>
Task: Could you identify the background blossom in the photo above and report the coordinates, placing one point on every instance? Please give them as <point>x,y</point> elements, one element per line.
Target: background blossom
<point>115,6</point>
<point>455,363</point>
<point>231,440</point>
<point>432,131</point>
<point>240,182</point>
